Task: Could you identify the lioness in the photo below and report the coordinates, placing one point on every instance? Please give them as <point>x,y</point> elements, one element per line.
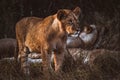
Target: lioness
<point>46,36</point>
<point>85,39</point>
<point>89,35</point>
<point>7,47</point>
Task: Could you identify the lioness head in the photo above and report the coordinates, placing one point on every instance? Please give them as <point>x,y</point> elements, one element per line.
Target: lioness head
<point>69,19</point>
<point>89,35</point>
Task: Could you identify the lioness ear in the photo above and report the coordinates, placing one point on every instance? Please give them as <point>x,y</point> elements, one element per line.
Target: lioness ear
<point>77,11</point>
<point>61,14</point>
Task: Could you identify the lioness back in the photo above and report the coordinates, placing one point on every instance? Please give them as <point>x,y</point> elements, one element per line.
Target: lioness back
<point>25,24</point>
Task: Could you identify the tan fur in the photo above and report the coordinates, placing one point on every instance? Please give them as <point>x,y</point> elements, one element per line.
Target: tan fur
<point>46,36</point>
<point>86,39</point>
<point>74,42</point>
<point>89,35</point>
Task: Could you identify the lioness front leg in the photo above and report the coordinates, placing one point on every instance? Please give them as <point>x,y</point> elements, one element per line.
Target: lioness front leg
<point>24,61</point>
<point>58,59</point>
<point>46,59</point>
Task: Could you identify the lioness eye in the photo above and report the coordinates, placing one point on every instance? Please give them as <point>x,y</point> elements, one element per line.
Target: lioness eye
<point>70,21</point>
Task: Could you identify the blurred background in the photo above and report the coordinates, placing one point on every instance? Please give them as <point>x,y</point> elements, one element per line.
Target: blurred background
<point>105,14</point>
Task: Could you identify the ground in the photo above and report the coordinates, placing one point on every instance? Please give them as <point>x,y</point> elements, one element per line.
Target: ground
<point>105,67</point>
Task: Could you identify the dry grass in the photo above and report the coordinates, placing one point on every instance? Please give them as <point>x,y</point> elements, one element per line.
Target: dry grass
<point>105,67</point>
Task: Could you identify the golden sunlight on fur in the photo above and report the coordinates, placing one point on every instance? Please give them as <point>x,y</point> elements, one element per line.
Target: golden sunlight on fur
<point>46,36</point>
